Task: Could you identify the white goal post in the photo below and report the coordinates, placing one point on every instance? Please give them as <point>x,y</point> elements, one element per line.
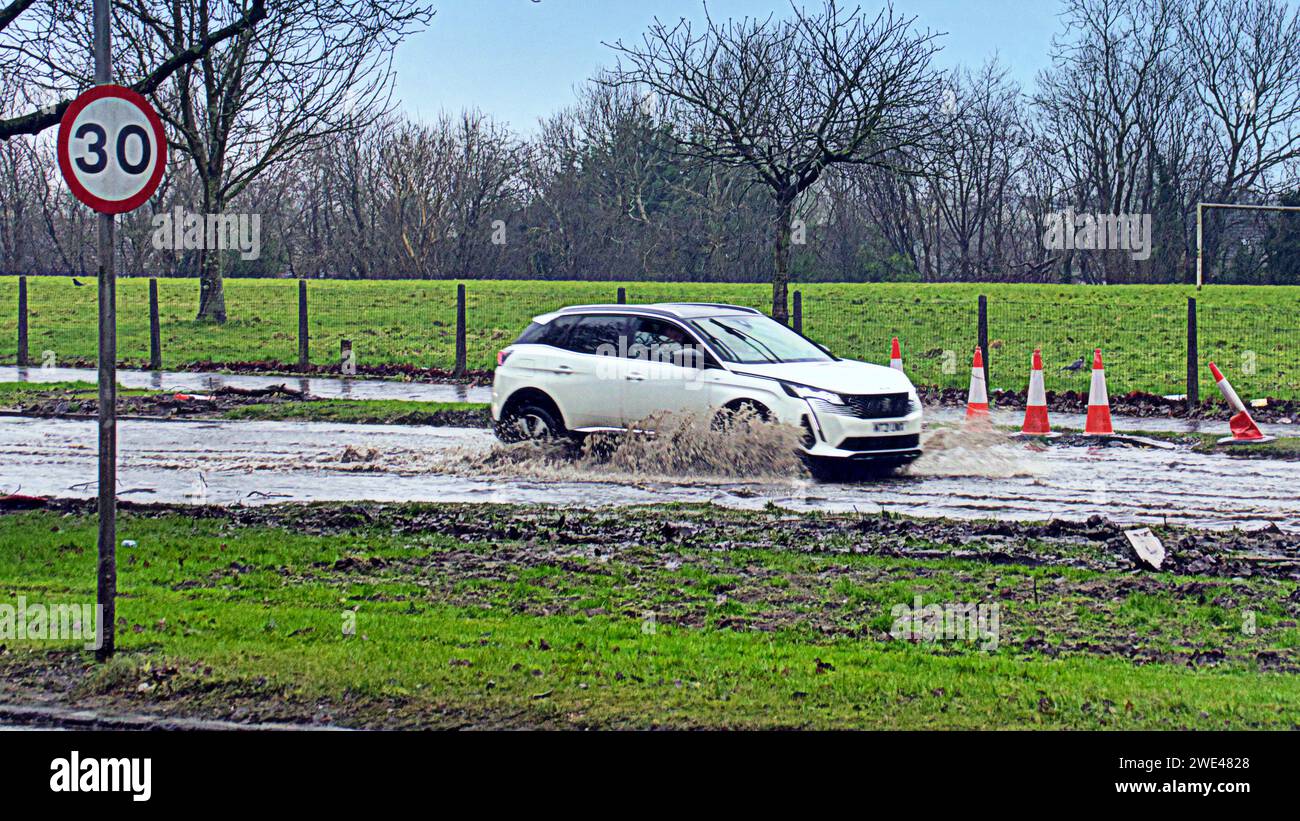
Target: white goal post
<point>1200,211</point>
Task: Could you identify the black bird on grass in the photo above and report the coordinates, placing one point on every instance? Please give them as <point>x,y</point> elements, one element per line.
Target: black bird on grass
<point>1076,365</point>
<point>77,282</point>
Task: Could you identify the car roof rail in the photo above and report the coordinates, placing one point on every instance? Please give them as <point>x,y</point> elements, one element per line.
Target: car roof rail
<point>654,308</point>
<point>616,308</point>
<point>741,308</point>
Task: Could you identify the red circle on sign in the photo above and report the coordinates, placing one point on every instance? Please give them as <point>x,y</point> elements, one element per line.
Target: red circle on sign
<point>79,191</point>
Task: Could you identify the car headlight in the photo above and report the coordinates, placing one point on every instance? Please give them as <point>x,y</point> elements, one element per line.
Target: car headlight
<point>806,392</point>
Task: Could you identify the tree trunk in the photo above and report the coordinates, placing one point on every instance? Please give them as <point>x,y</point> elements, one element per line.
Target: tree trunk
<point>781,260</point>
<point>212,292</point>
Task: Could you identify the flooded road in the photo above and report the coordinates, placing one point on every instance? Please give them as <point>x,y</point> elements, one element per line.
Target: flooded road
<point>961,476</point>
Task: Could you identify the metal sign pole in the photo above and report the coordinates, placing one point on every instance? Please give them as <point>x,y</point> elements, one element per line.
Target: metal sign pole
<point>106,587</point>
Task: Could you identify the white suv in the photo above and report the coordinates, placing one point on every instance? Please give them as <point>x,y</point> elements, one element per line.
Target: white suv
<point>593,368</point>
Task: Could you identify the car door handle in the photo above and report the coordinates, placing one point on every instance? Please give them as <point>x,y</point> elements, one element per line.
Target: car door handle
<point>563,369</point>
<point>635,377</point>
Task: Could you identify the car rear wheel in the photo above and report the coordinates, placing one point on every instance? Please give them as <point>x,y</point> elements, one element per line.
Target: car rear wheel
<point>530,419</point>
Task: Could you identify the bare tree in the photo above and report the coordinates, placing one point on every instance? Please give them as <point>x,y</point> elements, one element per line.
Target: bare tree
<point>1244,59</point>
<point>45,50</point>
<point>977,170</point>
<point>313,69</point>
<point>1115,79</point>
<point>786,99</point>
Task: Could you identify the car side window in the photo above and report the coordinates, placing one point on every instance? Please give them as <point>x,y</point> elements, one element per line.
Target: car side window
<point>598,335</point>
<point>657,339</point>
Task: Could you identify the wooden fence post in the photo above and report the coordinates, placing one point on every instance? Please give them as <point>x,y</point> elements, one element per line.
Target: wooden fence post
<point>22,322</point>
<point>303,356</point>
<point>798,311</point>
<point>155,329</point>
<point>1193,358</point>
<point>462,355</point>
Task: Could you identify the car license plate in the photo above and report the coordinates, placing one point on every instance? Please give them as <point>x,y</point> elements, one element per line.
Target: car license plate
<point>886,427</point>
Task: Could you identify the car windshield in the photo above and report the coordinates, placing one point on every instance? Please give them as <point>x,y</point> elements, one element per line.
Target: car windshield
<point>754,339</point>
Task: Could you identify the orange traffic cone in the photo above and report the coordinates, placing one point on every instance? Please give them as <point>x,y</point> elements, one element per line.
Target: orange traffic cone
<point>896,356</point>
<point>977,400</point>
<point>1244,429</point>
<point>1036,423</point>
<point>1098,423</point>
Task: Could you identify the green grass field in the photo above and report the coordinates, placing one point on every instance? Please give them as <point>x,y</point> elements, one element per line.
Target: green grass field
<point>457,624</point>
<point>1253,332</point>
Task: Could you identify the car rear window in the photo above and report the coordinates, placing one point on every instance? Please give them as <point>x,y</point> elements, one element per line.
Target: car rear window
<point>553,333</point>
<point>597,334</point>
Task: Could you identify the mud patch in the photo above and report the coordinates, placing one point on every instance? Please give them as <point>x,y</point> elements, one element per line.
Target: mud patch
<point>165,405</point>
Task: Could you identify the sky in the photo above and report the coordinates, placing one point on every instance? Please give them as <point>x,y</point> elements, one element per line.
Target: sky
<point>520,60</point>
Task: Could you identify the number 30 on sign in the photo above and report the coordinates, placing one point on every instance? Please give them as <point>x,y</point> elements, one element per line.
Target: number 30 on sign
<point>112,149</point>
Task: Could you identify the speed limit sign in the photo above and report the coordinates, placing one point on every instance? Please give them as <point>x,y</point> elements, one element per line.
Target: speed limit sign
<point>112,149</point>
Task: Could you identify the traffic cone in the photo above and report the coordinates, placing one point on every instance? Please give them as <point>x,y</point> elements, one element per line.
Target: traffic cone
<point>896,356</point>
<point>977,400</point>
<point>1036,423</point>
<point>1098,423</point>
<point>1244,429</point>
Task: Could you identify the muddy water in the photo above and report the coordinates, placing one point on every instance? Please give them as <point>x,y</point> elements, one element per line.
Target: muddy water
<point>200,382</point>
<point>961,476</point>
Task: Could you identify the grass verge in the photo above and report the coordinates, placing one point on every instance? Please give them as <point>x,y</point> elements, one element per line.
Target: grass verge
<point>439,616</point>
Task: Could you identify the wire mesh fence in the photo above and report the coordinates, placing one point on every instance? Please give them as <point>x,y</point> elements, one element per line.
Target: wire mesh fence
<point>1257,346</point>
<point>938,336</point>
<point>411,325</point>
<point>1143,344</point>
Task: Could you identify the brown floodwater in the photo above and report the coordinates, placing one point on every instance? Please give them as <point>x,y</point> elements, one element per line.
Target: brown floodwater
<point>962,474</point>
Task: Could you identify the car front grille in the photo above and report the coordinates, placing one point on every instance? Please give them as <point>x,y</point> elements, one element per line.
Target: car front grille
<point>866,443</point>
<point>868,406</point>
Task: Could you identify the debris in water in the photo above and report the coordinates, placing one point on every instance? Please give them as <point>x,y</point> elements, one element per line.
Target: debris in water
<point>354,454</point>
<point>1148,549</point>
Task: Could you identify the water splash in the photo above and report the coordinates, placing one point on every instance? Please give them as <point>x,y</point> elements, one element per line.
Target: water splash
<point>973,451</point>
<point>665,447</point>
